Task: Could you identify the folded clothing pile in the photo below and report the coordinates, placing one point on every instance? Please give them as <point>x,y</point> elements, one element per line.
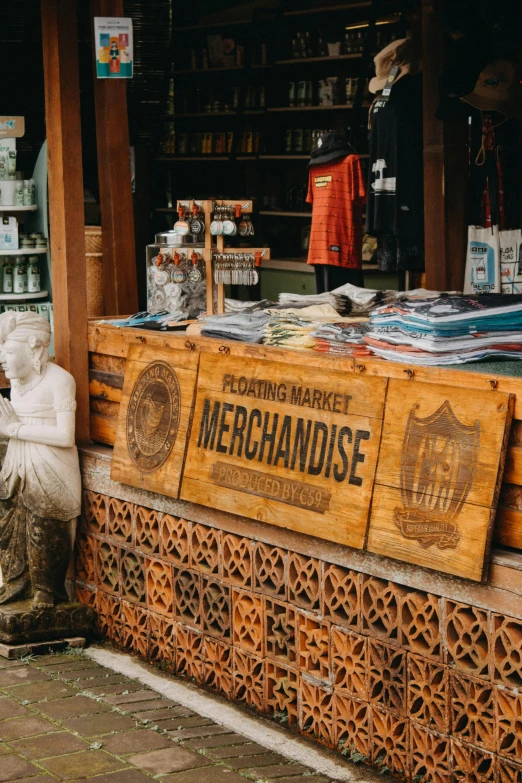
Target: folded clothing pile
<point>247,326</point>
<point>448,330</point>
<point>347,300</point>
<point>342,339</point>
<point>292,327</point>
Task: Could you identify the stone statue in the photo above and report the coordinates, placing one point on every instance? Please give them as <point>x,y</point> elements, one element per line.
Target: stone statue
<point>40,483</point>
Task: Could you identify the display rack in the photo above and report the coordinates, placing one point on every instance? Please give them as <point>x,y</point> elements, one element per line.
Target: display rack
<point>215,292</point>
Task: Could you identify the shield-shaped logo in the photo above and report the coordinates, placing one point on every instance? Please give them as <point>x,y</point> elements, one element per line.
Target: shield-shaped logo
<point>438,461</point>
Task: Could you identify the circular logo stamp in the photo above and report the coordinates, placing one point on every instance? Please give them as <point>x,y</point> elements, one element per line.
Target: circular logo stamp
<point>153,416</point>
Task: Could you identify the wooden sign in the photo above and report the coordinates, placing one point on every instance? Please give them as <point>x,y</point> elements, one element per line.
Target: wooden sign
<point>438,478</point>
<point>12,127</point>
<point>154,418</point>
<point>286,444</point>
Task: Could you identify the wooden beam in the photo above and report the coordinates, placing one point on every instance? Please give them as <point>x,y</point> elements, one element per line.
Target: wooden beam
<point>114,177</point>
<point>445,167</point>
<point>66,207</point>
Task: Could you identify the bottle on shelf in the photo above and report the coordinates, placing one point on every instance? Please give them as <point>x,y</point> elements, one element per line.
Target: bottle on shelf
<point>322,48</point>
<point>20,276</point>
<point>33,275</point>
<point>7,276</point>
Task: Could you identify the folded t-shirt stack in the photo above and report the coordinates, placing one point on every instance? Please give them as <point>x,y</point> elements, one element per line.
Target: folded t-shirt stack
<point>247,326</point>
<point>292,327</point>
<point>342,339</point>
<point>448,329</point>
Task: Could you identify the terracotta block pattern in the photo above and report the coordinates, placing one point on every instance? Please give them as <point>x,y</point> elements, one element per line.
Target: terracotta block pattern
<point>350,662</point>
<point>507,651</point>
<point>390,745</point>
<point>134,626</point>
<point>159,587</point>
<point>85,547</point>
<point>342,596</point>
<point>94,513</point>
<point>249,679</point>
<point>281,635</point>
<point>509,707</point>
<point>270,570</point>
<point>430,755</point>
<point>216,608</point>
<point>205,549</point>
<point>422,687</point>
<point>420,624</point>
<point>218,666</point>
<point>352,727</point>
<point>428,693</point>
<point>387,676</point>
<point>174,539</point>
<point>237,560</point>
<point>471,764</point>
<point>473,710</point>
<point>248,621</point>
<point>317,712</point>
<point>119,521</point>
<point>107,567</point>
<point>282,690</point>
<point>380,609</point>
<point>147,531</point>
<point>161,642</point>
<point>187,600</point>
<point>304,582</point>
<point>314,648</point>
<point>190,653</point>
<point>133,578</point>
<point>108,617</point>
<point>468,638</point>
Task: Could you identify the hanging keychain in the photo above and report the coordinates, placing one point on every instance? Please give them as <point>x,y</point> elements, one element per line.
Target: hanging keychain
<point>179,275</point>
<point>181,226</point>
<point>197,225</point>
<point>195,273</point>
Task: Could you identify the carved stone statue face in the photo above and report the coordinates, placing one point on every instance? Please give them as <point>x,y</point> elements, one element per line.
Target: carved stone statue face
<point>16,359</point>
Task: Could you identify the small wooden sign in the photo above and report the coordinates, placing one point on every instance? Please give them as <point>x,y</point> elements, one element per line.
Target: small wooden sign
<point>12,127</point>
<point>154,418</point>
<point>438,479</point>
<point>289,445</point>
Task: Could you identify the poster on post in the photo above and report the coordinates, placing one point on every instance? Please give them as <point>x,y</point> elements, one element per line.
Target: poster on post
<point>114,47</point>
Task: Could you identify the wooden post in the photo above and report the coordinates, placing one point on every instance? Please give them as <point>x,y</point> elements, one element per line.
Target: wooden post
<point>66,208</point>
<point>114,177</point>
<point>445,168</point>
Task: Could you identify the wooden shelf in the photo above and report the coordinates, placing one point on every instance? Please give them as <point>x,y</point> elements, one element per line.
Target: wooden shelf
<point>278,213</point>
<point>284,157</point>
<point>24,251</point>
<point>204,26</point>
<point>324,9</point>
<point>316,108</point>
<point>328,59</point>
<point>22,297</point>
<point>13,208</point>
<point>229,69</point>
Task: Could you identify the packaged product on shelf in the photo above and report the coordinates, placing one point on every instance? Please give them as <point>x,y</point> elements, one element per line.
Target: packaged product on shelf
<point>28,192</point>
<point>3,166</point>
<point>9,233</point>
<point>7,276</point>
<point>11,163</point>
<point>20,276</point>
<point>6,147</point>
<point>44,309</point>
<point>33,275</point>
<point>19,193</point>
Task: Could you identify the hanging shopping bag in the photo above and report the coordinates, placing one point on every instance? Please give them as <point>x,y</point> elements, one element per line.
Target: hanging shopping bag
<point>482,261</point>
<point>511,261</point>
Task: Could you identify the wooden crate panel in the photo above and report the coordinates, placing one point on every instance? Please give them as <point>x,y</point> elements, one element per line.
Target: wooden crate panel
<point>438,478</point>
<point>508,528</point>
<point>287,445</point>
<point>154,418</point>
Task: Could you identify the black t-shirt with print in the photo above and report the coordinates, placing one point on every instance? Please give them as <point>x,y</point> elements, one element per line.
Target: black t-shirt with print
<point>395,177</point>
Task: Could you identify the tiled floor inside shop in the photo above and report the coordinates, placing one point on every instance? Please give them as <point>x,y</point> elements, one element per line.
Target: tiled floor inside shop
<point>65,717</point>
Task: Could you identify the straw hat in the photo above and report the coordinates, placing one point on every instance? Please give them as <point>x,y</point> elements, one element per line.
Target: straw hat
<point>495,89</point>
<point>397,53</point>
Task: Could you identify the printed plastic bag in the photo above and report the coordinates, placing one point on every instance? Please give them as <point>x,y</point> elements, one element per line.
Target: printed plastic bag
<point>482,274</point>
<point>511,261</point>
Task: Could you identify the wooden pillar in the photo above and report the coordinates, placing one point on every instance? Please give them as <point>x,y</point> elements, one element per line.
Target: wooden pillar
<point>445,167</point>
<point>114,177</point>
<point>66,208</point>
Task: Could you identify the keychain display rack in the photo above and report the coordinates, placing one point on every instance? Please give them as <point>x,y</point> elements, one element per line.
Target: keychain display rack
<point>220,261</point>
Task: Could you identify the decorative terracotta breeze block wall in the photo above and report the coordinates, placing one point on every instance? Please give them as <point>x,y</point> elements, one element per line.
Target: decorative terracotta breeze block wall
<point>427,688</point>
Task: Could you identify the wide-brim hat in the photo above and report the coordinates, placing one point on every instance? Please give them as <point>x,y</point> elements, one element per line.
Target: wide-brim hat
<point>495,89</point>
<point>329,147</point>
<point>398,53</point>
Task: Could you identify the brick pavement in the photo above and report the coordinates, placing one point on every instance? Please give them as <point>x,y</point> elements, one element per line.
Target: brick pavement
<point>65,718</point>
